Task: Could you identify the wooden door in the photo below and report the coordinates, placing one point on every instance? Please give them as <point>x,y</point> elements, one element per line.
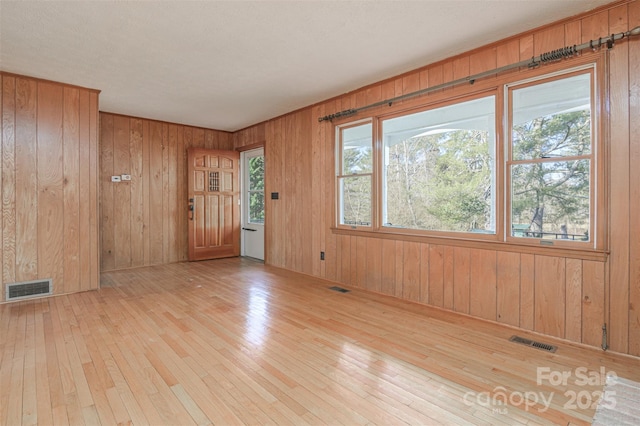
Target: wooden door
<point>214,211</point>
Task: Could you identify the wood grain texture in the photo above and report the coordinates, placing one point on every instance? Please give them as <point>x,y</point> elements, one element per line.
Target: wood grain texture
<point>150,224</point>
<point>508,288</point>
<point>634,179</point>
<point>524,287</point>
<point>26,180</point>
<point>8,179</point>
<point>620,181</point>
<point>50,218</point>
<point>152,348</point>
<point>483,284</point>
<point>71,188</point>
<point>300,161</point>
<point>49,186</point>
<point>550,295</point>
<point>573,309</point>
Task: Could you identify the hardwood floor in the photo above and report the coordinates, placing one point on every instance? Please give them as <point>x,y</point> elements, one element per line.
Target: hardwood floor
<point>236,342</point>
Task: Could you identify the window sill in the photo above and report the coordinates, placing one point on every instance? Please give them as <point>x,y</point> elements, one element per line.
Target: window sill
<point>573,253</point>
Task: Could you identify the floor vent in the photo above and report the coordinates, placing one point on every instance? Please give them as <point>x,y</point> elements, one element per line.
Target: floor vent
<point>533,343</point>
<point>339,289</point>
<point>28,289</point>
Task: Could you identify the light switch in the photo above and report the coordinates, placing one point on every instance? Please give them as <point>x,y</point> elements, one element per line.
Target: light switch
<point>115,178</point>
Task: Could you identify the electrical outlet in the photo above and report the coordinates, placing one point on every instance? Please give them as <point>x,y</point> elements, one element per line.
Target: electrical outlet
<point>115,178</point>
<point>125,177</point>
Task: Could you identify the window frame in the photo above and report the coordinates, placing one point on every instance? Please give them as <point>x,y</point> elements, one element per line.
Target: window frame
<point>595,172</point>
<point>595,249</point>
<point>339,174</point>
<point>379,152</point>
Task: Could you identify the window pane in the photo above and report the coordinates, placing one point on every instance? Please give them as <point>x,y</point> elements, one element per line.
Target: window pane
<point>439,169</point>
<point>355,193</point>
<point>550,200</point>
<point>256,173</point>
<point>357,150</point>
<point>256,207</point>
<point>552,119</point>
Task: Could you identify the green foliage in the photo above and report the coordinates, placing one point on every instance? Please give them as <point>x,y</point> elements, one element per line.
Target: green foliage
<point>552,194</point>
<point>440,182</point>
<point>256,189</point>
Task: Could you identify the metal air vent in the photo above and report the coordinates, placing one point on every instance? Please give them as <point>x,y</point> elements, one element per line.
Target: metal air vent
<point>28,289</point>
<point>533,343</point>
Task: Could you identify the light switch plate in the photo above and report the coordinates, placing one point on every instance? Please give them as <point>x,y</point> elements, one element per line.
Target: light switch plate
<point>115,178</point>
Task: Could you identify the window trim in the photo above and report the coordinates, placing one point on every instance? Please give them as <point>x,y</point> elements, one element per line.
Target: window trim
<point>339,173</point>
<point>596,250</point>
<point>594,157</point>
<point>379,152</point>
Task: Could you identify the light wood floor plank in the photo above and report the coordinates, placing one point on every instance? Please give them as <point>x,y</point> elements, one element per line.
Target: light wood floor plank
<point>235,342</point>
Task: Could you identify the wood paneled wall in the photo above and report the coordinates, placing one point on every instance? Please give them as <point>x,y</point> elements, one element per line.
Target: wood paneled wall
<point>144,222</point>
<point>49,175</point>
<point>552,294</point>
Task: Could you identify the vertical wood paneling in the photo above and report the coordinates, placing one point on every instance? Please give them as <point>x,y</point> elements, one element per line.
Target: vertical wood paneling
<point>49,184</point>
<point>634,225</point>
<point>436,275</point>
<point>526,47</point>
<point>388,267</point>
<point>26,180</point>
<point>107,224</point>
<point>345,256</point>
<point>50,189</point>
<point>448,279</point>
<point>483,284</point>
<point>411,271</point>
<point>549,39</point>
<point>146,191</point>
<point>121,193</point>
<point>84,190</point>
<point>306,161</point>
<point>573,308</point>
<point>156,236</point>
<point>149,226</point>
<point>374,264</point>
<point>424,273</point>
<point>461,279</point>
<point>8,179</point>
<point>361,262</point>
<point>508,288</point>
<point>482,61</point>
<point>620,178</point>
<point>175,191</point>
<point>94,214</point>
<point>593,302</point>
<point>136,187</point>
<point>527,291</point>
<point>550,295</point>
<point>318,144</point>
<point>353,262</point>
<point>10,127</point>
<point>166,202</point>
<point>399,268</point>
<point>71,188</point>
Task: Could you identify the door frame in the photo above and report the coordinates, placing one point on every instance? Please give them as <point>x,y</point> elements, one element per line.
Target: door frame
<point>244,152</point>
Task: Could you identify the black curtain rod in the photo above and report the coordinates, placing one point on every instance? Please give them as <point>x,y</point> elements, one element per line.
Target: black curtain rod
<point>552,56</point>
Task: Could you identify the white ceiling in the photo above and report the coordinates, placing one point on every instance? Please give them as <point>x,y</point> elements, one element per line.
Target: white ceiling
<point>230,64</point>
